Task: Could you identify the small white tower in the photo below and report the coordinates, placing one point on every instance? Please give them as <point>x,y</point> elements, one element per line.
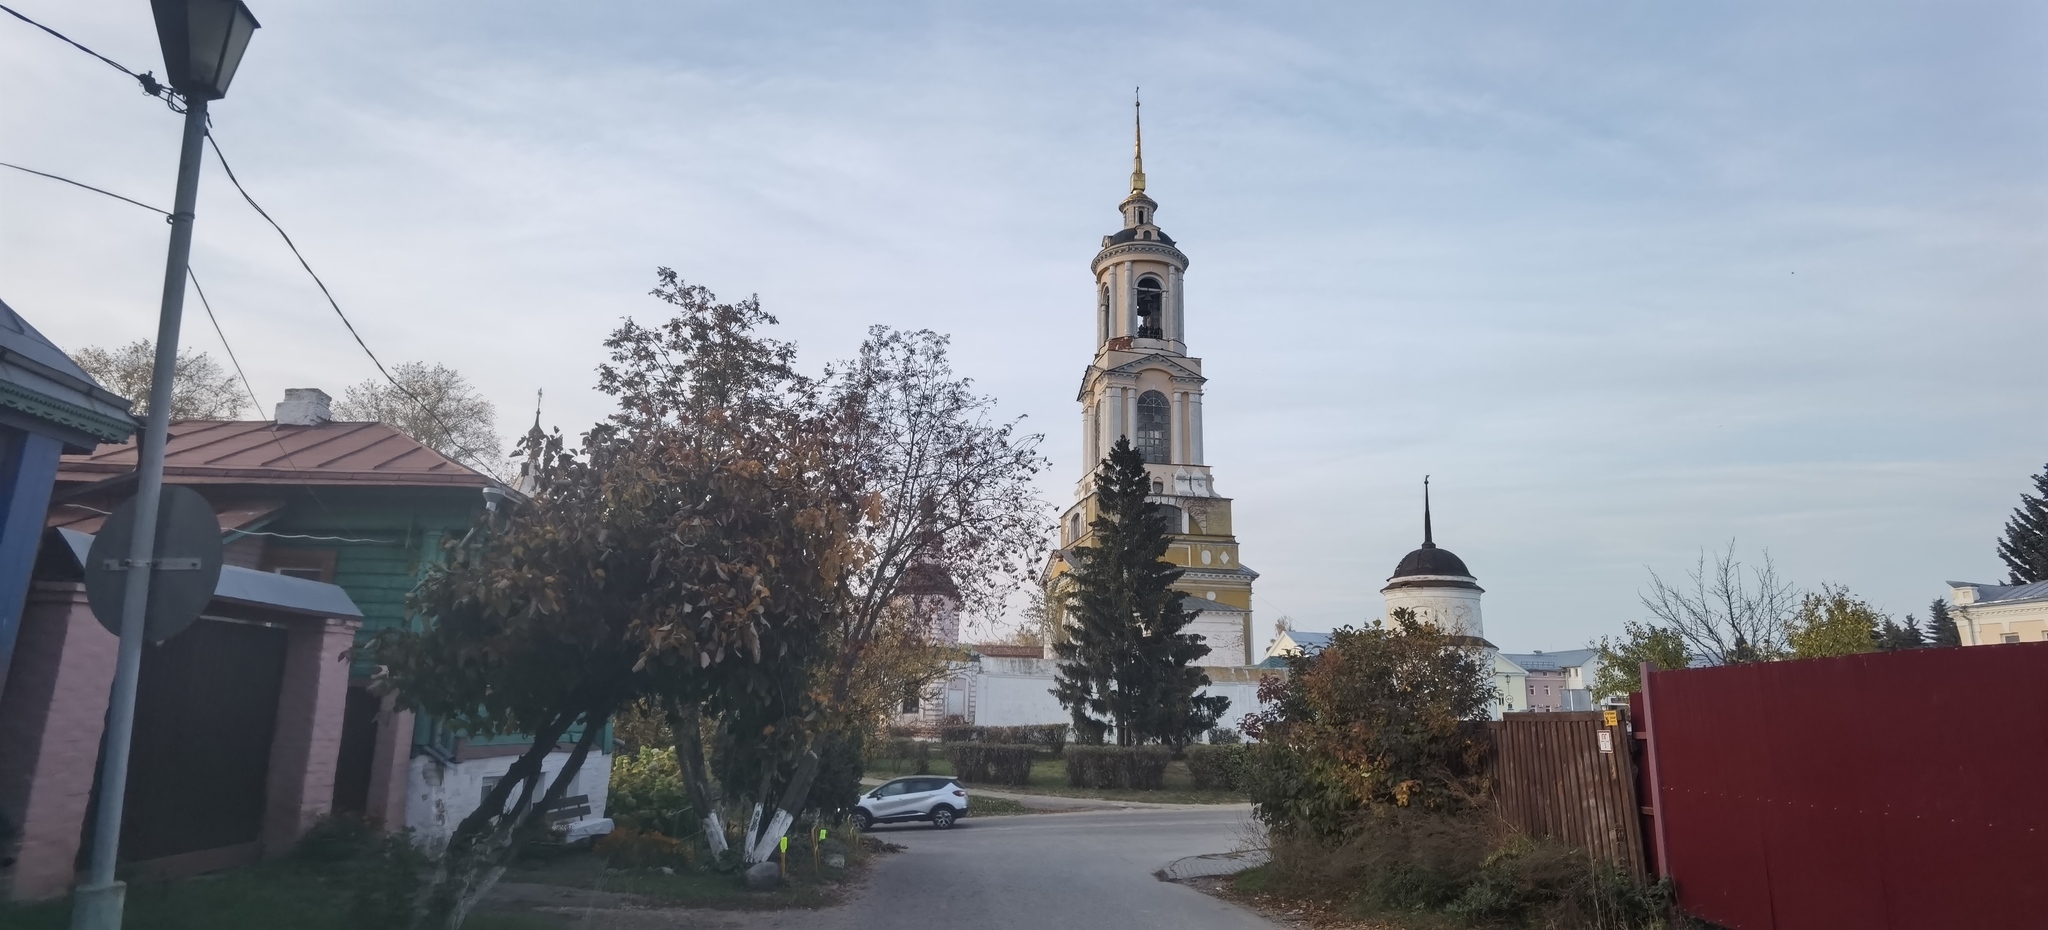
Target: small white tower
<point>1436,585</point>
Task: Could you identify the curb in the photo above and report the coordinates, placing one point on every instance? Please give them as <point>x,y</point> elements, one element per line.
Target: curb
<point>1212,865</point>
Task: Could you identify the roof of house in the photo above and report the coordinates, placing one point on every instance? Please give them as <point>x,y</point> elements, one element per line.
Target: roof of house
<point>2005,593</point>
<point>264,452</point>
<point>1308,640</point>
<point>1193,604</point>
<point>38,379</point>
<point>1008,650</point>
<point>252,588</point>
<point>1552,661</point>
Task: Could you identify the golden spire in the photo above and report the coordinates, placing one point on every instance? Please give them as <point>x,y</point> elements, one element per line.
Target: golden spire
<point>1138,155</point>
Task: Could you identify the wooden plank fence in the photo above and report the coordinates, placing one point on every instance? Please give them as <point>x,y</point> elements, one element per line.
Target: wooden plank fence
<point>1556,776</point>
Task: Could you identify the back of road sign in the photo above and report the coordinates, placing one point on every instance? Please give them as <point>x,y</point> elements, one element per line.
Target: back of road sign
<point>188,558</point>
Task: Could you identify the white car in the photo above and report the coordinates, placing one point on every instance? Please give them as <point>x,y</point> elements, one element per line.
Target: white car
<point>933,798</point>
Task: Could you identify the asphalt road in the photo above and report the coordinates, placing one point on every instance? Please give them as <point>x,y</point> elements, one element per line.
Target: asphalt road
<point>1074,871</point>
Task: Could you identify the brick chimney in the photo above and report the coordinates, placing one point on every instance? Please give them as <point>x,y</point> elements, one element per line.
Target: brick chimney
<point>304,407</point>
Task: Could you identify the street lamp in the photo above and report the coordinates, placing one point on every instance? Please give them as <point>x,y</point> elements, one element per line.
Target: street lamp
<point>203,41</point>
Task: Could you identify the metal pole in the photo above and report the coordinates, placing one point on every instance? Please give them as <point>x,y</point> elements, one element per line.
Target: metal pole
<point>96,905</point>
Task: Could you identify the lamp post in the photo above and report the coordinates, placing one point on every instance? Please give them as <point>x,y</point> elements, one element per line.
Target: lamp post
<point>203,41</point>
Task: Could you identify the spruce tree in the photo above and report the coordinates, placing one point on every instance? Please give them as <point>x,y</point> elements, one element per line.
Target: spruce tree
<point>1127,662</point>
<point>2025,546</point>
<point>1941,628</point>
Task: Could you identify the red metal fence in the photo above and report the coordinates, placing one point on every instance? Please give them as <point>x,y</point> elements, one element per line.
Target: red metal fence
<point>1889,791</point>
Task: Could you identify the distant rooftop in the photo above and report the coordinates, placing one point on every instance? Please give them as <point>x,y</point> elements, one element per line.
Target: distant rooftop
<point>1552,661</point>
<point>2005,593</point>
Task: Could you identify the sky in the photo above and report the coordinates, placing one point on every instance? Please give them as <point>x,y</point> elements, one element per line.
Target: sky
<point>1629,280</point>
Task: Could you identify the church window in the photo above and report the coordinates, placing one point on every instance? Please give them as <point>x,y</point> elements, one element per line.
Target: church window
<point>1151,297</point>
<point>1102,316</point>
<point>1173,517</point>
<point>1154,415</point>
<point>1073,527</point>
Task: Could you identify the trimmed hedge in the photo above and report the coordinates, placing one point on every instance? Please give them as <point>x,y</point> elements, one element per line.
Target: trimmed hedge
<point>992,763</point>
<point>1140,767</point>
<point>1218,767</point>
<point>1051,737</point>
<point>914,755</point>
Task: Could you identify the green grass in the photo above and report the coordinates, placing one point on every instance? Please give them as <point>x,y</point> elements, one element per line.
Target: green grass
<point>985,806</point>
<point>1049,777</point>
<point>265,897</point>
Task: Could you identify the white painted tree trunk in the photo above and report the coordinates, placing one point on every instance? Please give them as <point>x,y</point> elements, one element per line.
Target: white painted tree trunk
<point>714,833</point>
<point>764,849</point>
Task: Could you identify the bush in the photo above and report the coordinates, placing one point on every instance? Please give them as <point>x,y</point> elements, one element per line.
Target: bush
<point>1466,866</point>
<point>908,756</point>
<point>1225,736</point>
<point>961,733</point>
<point>992,763</point>
<point>647,791</point>
<point>1218,766</point>
<point>627,848</point>
<point>1140,767</point>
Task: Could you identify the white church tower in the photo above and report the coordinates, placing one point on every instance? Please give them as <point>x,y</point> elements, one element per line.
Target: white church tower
<point>1436,585</point>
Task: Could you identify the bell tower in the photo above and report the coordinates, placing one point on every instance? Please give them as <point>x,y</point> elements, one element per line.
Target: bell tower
<point>1142,384</point>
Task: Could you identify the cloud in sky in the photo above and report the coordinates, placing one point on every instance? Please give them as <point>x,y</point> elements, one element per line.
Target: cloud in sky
<point>1630,280</point>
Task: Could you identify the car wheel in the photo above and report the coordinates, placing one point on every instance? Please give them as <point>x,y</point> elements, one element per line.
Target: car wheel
<point>863,819</point>
<point>942,817</point>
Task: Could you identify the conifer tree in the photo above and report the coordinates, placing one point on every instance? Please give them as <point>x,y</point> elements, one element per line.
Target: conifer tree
<point>1126,662</point>
<point>1894,636</point>
<point>2025,546</point>
<point>1941,628</point>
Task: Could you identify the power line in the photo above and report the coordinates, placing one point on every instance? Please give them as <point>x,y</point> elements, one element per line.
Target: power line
<point>150,85</point>
<point>56,177</point>
<point>331,302</point>
<point>246,386</point>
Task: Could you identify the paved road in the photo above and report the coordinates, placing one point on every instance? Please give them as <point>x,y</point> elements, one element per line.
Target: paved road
<point>1077,871</point>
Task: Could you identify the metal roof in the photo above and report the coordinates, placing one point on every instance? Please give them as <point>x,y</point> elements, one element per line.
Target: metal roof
<point>38,379</point>
<point>2005,593</point>
<point>1008,650</point>
<point>1550,661</point>
<point>263,452</point>
<point>250,587</point>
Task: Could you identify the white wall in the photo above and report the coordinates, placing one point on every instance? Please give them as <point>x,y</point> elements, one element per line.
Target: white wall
<point>1018,692</point>
<point>438,796</point>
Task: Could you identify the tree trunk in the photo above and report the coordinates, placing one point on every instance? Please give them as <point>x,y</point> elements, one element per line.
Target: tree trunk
<point>685,726</point>
<point>792,801</point>
<point>483,841</point>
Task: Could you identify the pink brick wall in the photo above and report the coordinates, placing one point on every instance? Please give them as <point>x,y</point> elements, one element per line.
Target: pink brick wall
<point>51,718</point>
<point>307,741</point>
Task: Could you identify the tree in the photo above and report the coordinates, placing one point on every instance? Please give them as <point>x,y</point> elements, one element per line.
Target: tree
<point>2025,546</point>
<point>1941,628</point>
<point>1381,717</point>
<point>434,404</point>
<point>937,487</point>
<point>1127,663</point>
<point>200,389</point>
<point>1620,661</point>
<point>1893,636</point>
<point>1726,616</point>
<point>1833,622</point>
<point>689,553</point>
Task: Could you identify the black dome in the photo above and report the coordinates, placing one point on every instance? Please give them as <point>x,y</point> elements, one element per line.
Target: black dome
<point>1430,560</point>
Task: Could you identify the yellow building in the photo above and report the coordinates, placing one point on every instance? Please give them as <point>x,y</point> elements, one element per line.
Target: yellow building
<point>1143,385</point>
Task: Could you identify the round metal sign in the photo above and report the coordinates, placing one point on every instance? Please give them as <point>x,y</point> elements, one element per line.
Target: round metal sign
<point>187,564</point>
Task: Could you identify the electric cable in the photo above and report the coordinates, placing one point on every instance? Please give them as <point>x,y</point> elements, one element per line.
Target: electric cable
<point>331,302</point>
<point>150,85</point>
<point>59,177</point>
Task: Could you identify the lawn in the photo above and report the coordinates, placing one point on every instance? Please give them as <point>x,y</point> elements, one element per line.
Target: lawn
<point>301,896</point>
<point>686,885</point>
<point>1049,777</point>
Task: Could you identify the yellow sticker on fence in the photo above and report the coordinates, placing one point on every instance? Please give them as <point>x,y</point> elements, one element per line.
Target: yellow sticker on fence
<point>1612,718</point>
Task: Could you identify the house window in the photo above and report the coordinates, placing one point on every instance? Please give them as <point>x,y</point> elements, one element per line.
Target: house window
<point>910,703</point>
<point>310,564</point>
<point>2009,637</point>
<point>1154,415</point>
